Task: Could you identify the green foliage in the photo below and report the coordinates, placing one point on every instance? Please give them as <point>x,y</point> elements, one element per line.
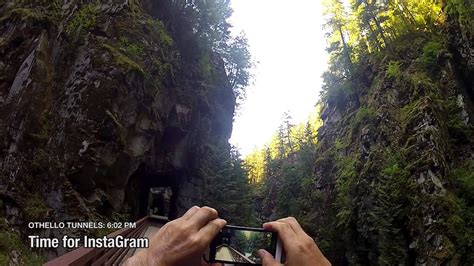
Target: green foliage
<point>227,188</point>
<point>464,178</point>
<point>41,12</point>
<point>393,69</point>
<point>83,20</point>
<point>344,185</point>
<point>205,66</point>
<point>10,241</point>
<point>459,224</point>
<point>339,144</point>
<point>238,63</point>
<point>158,27</point>
<point>134,50</point>
<point>336,89</point>
<point>282,173</point>
<point>210,18</point>
<point>25,14</point>
<point>389,210</point>
<point>366,30</point>
<point>339,46</point>
<point>40,162</point>
<point>35,208</point>
<point>408,111</point>
<point>362,115</point>
<point>164,68</point>
<point>379,206</point>
<point>382,183</point>
<point>209,31</point>
<point>297,140</point>
<point>463,10</point>
<point>431,52</point>
<point>288,185</point>
<point>123,60</point>
<point>421,84</point>
<point>458,129</point>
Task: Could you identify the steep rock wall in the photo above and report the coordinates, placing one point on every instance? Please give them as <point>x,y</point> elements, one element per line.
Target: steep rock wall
<point>97,105</point>
<point>395,165</point>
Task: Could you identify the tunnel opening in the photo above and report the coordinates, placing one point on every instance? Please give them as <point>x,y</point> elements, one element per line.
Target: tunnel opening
<point>159,202</point>
<point>151,192</point>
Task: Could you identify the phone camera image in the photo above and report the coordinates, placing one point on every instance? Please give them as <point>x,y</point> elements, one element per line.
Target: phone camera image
<point>241,246</point>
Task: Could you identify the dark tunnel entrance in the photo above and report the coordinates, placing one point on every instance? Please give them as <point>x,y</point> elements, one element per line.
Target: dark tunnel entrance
<point>152,193</point>
<point>159,202</point>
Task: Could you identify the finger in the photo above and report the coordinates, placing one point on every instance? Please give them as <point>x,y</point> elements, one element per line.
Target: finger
<point>267,258</point>
<point>284,230</point>
<point>190,212</point>
<point>210,230</point>
<point>294,225</point>
<point>203,216</point>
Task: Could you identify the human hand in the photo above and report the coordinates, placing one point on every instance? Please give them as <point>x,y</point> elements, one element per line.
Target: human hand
<point>182,241</point>
<point>301,250</point>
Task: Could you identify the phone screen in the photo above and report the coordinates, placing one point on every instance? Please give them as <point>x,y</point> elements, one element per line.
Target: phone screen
<point>239,245</point>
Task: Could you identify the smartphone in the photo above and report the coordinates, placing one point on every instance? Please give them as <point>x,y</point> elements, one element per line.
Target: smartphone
<point>239,245</point>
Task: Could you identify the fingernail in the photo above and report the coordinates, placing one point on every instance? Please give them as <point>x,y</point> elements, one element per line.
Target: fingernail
<point>262,252</point>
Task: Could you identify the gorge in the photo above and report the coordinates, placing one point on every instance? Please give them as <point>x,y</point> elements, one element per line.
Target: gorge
<point>101,101</point>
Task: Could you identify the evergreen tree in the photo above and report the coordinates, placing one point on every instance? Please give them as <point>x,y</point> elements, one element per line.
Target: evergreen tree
<point>210,29</point>
<point>227,187</point>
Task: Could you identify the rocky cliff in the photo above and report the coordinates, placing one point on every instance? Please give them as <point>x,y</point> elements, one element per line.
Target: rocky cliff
<point>99,101</point>
<point>395,162</point>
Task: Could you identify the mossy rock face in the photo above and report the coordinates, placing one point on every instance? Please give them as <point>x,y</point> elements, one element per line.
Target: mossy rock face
<point>35,208</point>
<point>13,250</point>
<point>83,20</point>
<point>103,107</point>
<point>122,60</point>
<point>395,167</point>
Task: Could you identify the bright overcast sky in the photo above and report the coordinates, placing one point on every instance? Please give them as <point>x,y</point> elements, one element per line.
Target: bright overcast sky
<point>287,40</point>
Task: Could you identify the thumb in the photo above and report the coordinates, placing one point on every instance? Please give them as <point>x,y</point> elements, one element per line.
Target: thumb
<point>267,258</point>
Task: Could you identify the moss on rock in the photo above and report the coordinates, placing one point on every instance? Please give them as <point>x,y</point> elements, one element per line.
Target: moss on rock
<point>123,60</point>
<point>83,20</point>
<point>12,249</point>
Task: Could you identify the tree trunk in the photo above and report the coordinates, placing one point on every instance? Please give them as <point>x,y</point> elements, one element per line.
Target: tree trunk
<point>377,24</point>
<point>346,50</point>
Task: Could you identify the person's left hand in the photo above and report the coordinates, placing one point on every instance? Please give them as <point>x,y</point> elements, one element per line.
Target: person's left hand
<point>182,241</point>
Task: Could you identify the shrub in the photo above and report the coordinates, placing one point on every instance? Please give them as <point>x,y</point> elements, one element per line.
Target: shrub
<point>431,51</point>
<point>35,208</point>
<point>134,50</point>
<point>362,114</point>
<point>10,241</point>
<point>83,20</point>
<point>344,185</point>
<point>462,10</point>
<point>158,27</point>
<point>464,178</point>
<point>123,60</point>
<point>393,69</point>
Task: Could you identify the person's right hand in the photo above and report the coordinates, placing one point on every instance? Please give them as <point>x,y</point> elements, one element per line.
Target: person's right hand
<point>301,250</point>
<point>182,241</point>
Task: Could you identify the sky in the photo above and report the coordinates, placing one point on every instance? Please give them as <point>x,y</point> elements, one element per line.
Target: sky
<point>287,42</point>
